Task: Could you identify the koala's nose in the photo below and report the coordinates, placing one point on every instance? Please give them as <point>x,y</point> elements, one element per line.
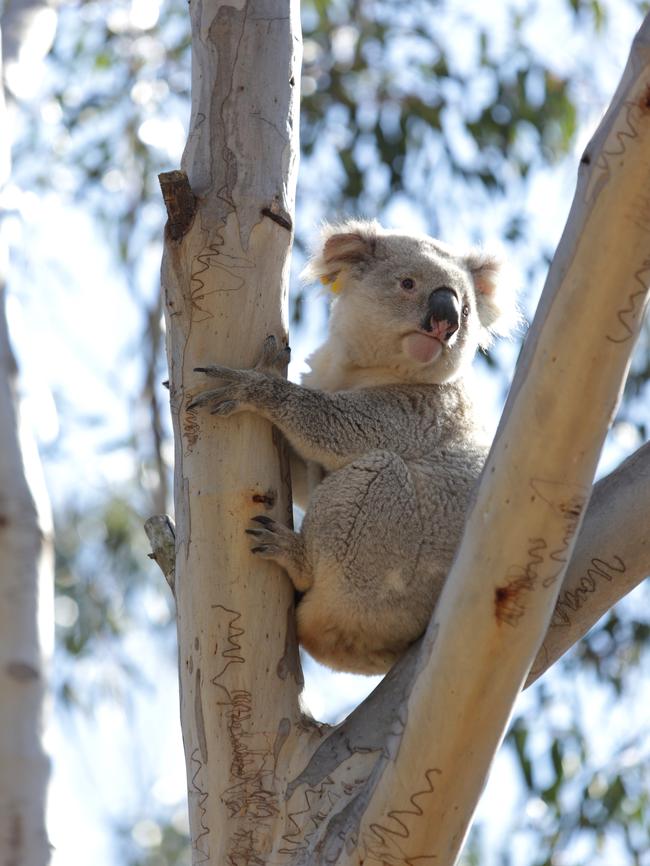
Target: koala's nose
<point>443,314</point>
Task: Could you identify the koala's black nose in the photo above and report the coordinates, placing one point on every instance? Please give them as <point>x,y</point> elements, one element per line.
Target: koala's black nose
<point>443,314</point>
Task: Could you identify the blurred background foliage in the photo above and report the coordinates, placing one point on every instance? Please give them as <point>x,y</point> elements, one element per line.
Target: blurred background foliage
<point>457,118</point>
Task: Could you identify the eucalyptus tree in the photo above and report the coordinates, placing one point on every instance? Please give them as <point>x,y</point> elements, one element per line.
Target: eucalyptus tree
<point>398,781</point>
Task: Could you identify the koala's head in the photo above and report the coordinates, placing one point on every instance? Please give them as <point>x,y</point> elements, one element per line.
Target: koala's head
<point>409,303</point>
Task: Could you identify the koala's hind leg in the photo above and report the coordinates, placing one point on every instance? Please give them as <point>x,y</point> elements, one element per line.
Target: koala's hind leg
<point>284,546</point>
<point>371,596</point>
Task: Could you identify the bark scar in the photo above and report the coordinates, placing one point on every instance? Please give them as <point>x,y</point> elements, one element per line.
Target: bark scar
<point>266,499</point>
<point>279,216</point>
<point>198,717</point>
<point>180,203</point>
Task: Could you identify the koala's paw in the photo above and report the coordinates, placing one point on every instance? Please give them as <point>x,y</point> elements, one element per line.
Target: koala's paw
<point>231,396</point>
<point>274,359</point>
<point>273,539</point>
<point>284,546</point>
<point>244,389</point>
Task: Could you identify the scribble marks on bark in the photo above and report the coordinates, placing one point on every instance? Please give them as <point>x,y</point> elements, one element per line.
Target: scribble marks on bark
<point>200,842</point>
<point>570,601</point>
<point>385,842</point>
<point>249,797</point>
<point>630,316</point>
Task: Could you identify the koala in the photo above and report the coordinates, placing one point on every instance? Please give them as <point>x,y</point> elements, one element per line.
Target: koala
<point>387,423</point>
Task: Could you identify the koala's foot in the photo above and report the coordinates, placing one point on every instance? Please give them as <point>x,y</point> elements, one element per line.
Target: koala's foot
<point>284,546</point>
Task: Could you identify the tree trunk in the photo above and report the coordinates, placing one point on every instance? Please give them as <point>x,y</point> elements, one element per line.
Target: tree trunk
<point>398,781</point>
<point>225,278</point>
<point>26,594</point>
<point>26,586</point>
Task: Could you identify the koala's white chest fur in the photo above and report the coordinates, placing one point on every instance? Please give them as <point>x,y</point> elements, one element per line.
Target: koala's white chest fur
<point>332,371</point>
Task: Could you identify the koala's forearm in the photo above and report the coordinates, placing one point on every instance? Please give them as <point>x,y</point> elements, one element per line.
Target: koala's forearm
<point>330,429</point>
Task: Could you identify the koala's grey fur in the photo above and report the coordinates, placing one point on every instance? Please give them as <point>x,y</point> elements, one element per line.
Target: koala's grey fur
<point>385,417</point>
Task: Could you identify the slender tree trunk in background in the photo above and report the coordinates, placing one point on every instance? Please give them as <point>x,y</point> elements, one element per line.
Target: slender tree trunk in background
<point>26,588</point>
<point>398,781</point>
<point>26,579</point>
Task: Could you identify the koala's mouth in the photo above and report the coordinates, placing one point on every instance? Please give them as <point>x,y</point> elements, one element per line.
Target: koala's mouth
<point>422,347</point>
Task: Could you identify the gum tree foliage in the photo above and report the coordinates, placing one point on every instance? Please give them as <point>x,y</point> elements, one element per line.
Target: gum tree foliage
<point>422,106</point>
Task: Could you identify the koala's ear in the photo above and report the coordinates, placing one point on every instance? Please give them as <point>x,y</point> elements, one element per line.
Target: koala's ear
<point>341,246</point>
<point>495,293</point>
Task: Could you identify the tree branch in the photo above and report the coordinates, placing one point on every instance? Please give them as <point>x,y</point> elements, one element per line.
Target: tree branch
<point>610,558</point>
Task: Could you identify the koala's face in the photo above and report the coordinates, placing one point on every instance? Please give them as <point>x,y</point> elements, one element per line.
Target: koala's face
<point>407,303</point>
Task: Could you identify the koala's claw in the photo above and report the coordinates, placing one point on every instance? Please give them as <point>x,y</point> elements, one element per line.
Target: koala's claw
<point>272,539</point>
<point>220,398</point>
<point>220,372</point>
<point>263,519</point>
<point>277,542</point>
<point>202,399</point>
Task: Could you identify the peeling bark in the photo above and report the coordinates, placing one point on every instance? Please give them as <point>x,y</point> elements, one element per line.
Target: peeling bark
<point>160,532</point>
<point>180,202</point>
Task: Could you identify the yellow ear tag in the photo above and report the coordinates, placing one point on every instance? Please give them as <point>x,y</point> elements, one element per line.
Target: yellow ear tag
<point>335,285</point>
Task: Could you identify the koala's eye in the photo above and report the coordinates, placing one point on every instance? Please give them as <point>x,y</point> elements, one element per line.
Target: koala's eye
<point>408,284</point>
<point>465,311</point>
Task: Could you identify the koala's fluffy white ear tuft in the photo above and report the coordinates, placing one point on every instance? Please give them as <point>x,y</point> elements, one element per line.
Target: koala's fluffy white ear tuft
<point>342,245</point>
<point>495,294</point>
